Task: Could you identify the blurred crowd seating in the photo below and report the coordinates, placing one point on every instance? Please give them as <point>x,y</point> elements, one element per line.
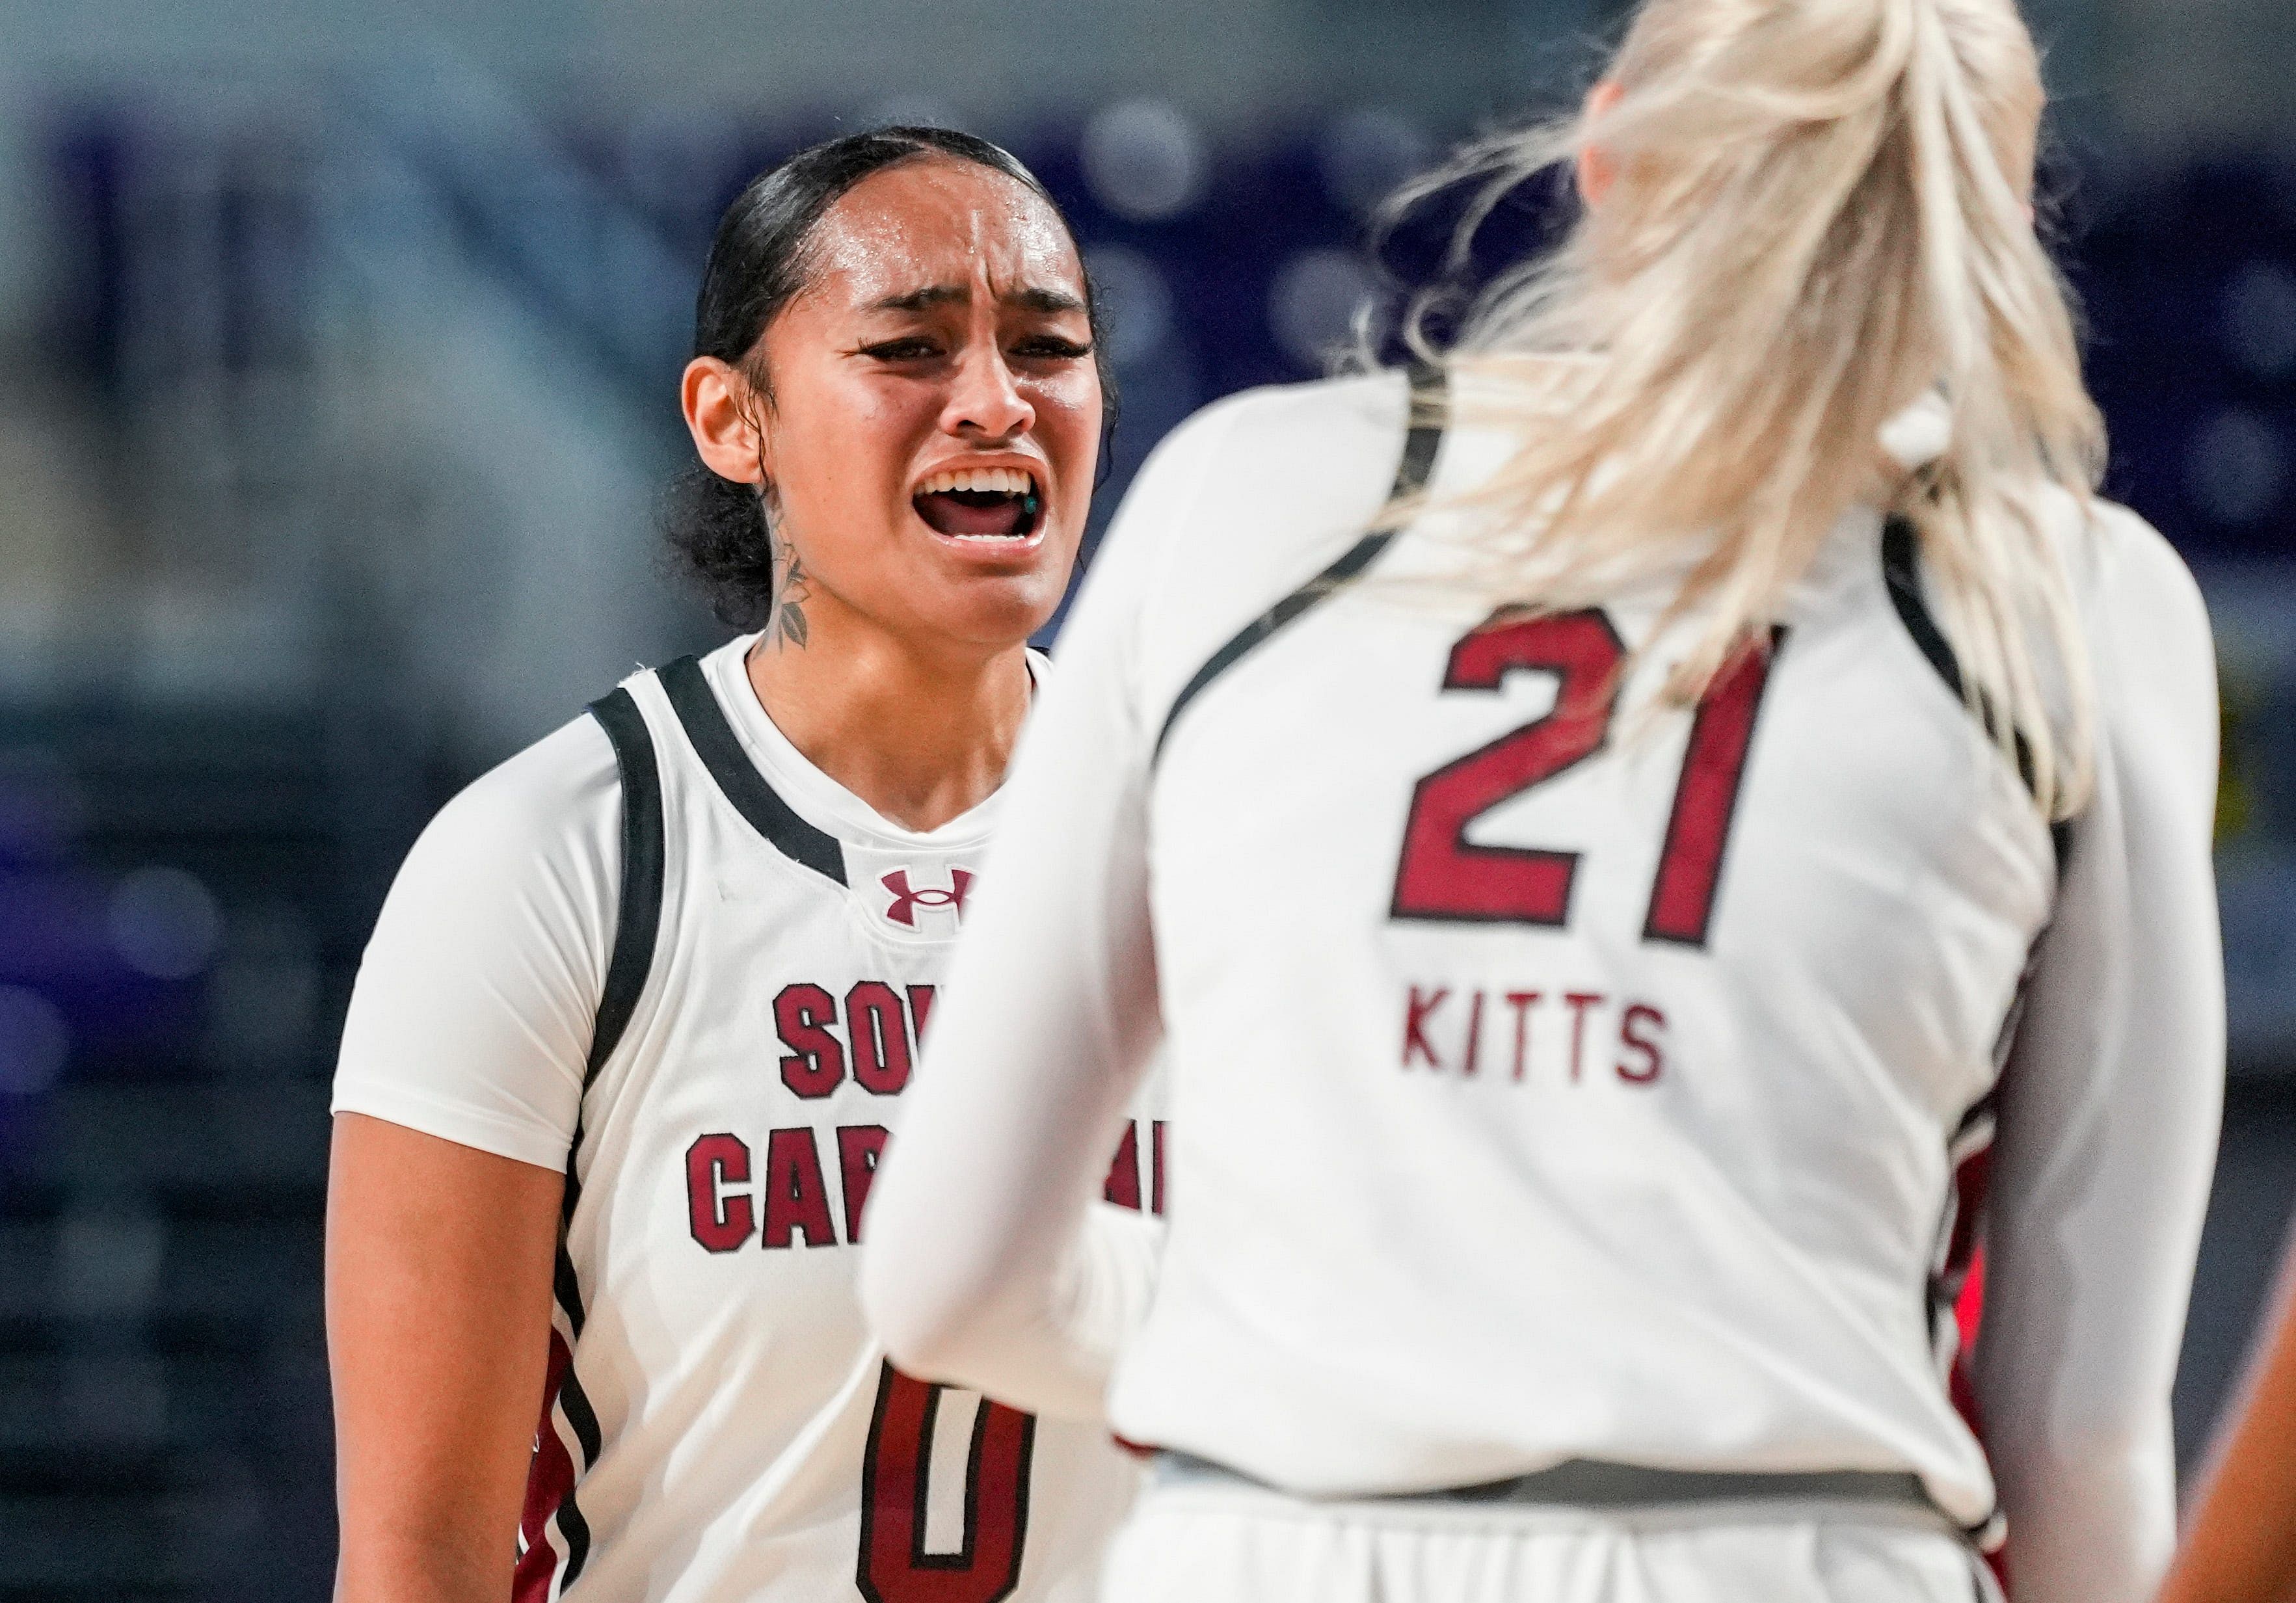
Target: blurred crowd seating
<point>383,379</point>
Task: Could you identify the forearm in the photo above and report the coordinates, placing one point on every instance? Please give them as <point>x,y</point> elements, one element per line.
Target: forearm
<point>2091,1516</point>
<point>1044,1342</point>
<point>2096,1214</point>
<point>438,1260</point>
<point>376,1566</point>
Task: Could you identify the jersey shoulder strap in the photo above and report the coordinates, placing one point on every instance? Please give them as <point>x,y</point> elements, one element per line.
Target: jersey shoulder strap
<point>1420,445</point>
<point>1901,575</point>
<point>714,742</point>
<point>637,919</point>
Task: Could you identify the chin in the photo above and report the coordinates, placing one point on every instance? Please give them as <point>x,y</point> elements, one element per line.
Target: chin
<point>1009,607</point>
<point>982,612</point>
<point>1004,621</point>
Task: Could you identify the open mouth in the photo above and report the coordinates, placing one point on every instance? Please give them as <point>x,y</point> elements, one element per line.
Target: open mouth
<point>980,503</point>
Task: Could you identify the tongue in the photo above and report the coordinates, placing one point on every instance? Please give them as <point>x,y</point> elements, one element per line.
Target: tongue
<point>964,512</point>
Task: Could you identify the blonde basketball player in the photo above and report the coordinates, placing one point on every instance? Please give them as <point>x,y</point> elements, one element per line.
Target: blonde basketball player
<point>1620,939</point>
<point>644,1000</point>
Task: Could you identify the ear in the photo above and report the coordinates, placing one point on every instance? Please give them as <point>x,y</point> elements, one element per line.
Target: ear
<point>722,414</point>
<point>1597,171</point>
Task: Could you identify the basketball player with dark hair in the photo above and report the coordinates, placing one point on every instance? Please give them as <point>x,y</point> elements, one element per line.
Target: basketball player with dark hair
<point>640,1011</point>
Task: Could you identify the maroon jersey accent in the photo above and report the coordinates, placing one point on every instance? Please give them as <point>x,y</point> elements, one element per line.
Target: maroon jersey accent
<point>720,1220</point>
<point>549,1482</point>
<point>894,1566</point>
<point>1690,868</point>
<point>880,1029</point>
<point>1440,875</point>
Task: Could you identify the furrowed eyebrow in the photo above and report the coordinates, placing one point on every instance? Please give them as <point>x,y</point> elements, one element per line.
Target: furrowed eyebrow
<point>1032,297</point>
<point>1035,299</point>
<point>920,300</point>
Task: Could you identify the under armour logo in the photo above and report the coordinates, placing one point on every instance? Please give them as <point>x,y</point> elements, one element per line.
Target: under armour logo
<point>905,901</point>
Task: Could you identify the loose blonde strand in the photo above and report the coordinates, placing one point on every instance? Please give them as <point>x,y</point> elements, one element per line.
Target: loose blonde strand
<point>1820,218</point>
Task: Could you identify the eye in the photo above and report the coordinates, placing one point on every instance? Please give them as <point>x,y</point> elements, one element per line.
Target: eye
<point>1051,348</point>
<point>913,347</point>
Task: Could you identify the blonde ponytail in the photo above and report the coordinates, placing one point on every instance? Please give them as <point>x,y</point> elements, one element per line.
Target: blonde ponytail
<point>1818,218</point>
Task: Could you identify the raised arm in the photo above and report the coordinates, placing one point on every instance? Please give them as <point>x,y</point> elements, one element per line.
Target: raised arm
<point>456,1100</point>
<point>2109,1108</point>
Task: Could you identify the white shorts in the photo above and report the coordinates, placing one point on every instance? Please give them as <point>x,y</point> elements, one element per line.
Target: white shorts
<point>1196,1543</point>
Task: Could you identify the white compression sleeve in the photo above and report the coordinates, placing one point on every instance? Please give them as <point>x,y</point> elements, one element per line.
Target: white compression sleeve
<point>986,1265</point>
<point>2109,1116</point>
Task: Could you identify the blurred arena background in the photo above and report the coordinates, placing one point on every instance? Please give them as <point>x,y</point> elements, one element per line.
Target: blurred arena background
<point>338,346</point>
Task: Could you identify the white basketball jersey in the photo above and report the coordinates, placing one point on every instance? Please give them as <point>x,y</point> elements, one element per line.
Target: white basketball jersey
<point>719,1424</point>
<point>1570,1089</point>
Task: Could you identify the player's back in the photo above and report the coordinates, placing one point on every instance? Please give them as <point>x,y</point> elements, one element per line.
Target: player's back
<point>1557,1080</point>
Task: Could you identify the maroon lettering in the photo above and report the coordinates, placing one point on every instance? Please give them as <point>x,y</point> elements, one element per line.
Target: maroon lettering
<point>1521,1001</point>
<point>894,1566</point>
<point>1654,1061</point>
<point>857,1149</point>
<point>880,1033</point>
<point>815,1063</point>
<point>1474,1036</point>
<point>1415,1015</point>
<point>1690,865</point>
<point>721,1221</point>
<point>796,1197</point>
<point>1156,1165</point>
<point>1123,1187</point>
<point>921,1001</point>
<point>1440,873</point>
<point>1578,1001</point>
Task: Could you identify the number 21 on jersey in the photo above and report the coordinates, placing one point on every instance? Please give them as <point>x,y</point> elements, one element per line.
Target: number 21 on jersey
<point>1443,875</point>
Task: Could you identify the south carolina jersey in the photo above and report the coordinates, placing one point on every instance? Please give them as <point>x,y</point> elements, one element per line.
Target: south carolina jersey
<point>1559,1079</point>
<point>664,952</point>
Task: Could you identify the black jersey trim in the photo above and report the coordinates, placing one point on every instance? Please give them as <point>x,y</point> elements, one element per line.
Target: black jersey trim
<point>638,921</point>
<point>1901,572</point>
<point>637,934</point>
<point>1986,1107</point>
<point>1901,575</point>
<point>1419,448</point>
<point>576,1529</point>
<point>720,751</point>
<point>564,1285</point>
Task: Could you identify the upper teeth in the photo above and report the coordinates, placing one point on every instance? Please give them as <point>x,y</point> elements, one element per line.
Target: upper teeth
<point>996,481</point>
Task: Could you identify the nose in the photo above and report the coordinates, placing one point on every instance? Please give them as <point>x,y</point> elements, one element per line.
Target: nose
<point>985,404</point>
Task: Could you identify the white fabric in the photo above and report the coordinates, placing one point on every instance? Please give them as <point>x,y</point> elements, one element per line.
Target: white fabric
<point>1384,1274</point>
<point>735,1389</point>
<point>1189,1546</point>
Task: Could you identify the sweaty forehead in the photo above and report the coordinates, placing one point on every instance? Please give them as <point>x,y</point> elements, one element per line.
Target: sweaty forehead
<point>934,221</point>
